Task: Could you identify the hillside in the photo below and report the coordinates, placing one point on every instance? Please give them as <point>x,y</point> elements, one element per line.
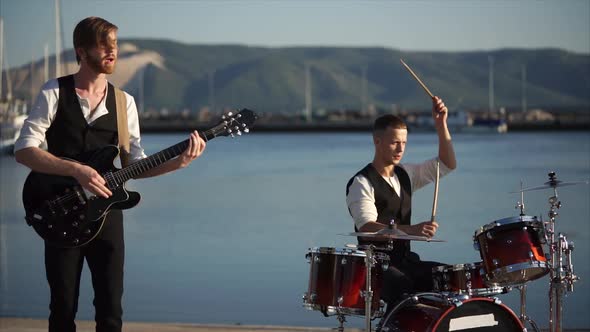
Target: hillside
<point>178,76</point>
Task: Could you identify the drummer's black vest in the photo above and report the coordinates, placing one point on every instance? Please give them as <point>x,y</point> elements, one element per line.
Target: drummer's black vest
<point>70,135</point>
<point>388,203</point>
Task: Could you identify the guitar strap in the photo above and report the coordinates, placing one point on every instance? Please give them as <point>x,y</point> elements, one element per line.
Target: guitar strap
<point>122,127</point>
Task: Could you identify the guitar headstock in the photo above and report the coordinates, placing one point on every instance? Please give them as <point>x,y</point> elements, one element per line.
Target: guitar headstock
<point>233,124</point>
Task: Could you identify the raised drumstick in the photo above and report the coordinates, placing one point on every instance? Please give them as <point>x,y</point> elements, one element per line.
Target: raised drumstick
<point>417,79</point>
<point>435,201</point>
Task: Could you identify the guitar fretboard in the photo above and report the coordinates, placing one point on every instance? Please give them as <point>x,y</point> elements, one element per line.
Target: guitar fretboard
<point>139,167</point>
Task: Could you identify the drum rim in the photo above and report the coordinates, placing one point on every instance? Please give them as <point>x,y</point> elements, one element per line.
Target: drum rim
<point>458,267</point>
<point>499,273</point>
<point>338,251</point>
<point>506,221</point>
<point>380,256</point>
<point>376,313</point>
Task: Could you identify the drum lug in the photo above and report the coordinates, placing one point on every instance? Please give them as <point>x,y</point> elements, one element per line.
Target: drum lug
<point>489,235</point>
<point>316,259</point>
<point>343,261</point>
<point>309,298</point>
<point>495,262</point>
<point>497,300</point>
<point>531,256</point>
<point>340,300</point>
<point>456,301</point>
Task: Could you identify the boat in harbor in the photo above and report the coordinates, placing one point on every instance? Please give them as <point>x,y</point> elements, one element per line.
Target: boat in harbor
<point>12,117</point>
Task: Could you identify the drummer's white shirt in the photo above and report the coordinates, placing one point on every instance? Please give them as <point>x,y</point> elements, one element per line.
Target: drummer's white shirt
<point>361,194</point>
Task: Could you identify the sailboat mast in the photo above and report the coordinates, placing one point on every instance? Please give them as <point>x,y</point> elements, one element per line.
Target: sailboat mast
<point>308,100</point>
<point>524,105</point>
<point>57,41</point>
<point>1,53</point>
<point>491,85</point>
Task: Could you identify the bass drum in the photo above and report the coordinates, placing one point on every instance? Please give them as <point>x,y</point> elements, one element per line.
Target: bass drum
<point>438,313</point>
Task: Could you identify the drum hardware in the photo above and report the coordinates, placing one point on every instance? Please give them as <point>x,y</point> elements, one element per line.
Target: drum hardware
<point>523,317</point>
<point>368,293</point>
<point>561,275</point>
<point>559,258</point>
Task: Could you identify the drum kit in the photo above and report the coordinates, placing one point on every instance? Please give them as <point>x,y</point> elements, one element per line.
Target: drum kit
<point>348,281</point>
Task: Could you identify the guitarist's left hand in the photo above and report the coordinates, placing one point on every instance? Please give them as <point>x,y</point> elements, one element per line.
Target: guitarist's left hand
<point>195,149</point>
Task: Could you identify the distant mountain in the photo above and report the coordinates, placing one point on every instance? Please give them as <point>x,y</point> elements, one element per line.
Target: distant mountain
<point>178,76</point>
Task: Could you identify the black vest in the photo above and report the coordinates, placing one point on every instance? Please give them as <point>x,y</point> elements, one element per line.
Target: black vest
<point>69,135</point>
<point>389,205</point>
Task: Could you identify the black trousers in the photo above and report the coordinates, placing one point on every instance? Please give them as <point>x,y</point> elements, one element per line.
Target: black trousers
<point>105,256</point>
<point>406,275</point>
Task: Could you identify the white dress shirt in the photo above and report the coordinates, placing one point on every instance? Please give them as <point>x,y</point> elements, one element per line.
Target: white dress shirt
<point>361,194</point>
<point>43,113</point>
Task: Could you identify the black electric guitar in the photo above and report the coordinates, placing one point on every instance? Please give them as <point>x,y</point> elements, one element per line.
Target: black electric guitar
<point>65,215</point>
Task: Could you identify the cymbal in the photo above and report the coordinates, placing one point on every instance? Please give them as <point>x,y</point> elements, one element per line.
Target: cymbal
<point>551,184</point>
<point>392,234</point>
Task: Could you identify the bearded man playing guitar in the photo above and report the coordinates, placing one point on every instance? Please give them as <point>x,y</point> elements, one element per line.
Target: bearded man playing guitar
<point>76,115</point>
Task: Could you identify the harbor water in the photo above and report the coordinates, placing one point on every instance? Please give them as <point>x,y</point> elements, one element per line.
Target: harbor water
<point>224,241</point>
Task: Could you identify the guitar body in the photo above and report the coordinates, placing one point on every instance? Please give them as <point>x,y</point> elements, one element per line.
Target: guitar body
<point>62,213</point>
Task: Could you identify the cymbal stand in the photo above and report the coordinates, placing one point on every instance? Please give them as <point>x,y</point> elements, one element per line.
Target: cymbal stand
<point>341,319</point>
<point>561,271</point>
<point>368,293</point>
<point>522,288</point>
<point>523,317</point>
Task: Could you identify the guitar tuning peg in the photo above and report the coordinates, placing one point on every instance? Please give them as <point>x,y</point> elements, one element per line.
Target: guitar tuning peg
<point>223,117</point>
<point>230,114</point>
<point>244,125</point>
<point>239,116</point>
<point>246,130</point>
<point>239,133</point>
<point>237,128</point>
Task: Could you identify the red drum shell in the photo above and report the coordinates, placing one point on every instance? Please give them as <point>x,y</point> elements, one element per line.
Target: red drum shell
<point>512,251</point>
<point>466,279</point>
<point>337,280</point>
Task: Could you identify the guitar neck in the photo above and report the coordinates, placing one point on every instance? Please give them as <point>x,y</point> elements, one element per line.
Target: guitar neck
<point>139,167</point>
<point>231,124</point>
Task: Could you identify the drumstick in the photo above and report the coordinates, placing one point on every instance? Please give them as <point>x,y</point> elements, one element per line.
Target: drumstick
<point>435,201</point>
<point>417,79</point>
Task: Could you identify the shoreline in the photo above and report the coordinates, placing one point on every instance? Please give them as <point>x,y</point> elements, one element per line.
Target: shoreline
<point>170,126</point>
<point>11,324</point>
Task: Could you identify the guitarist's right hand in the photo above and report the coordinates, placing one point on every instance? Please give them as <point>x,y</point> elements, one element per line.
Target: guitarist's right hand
<point>91,180</point>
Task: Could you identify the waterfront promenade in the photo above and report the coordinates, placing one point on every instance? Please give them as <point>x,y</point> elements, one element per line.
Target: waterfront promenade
<point>38,325</point>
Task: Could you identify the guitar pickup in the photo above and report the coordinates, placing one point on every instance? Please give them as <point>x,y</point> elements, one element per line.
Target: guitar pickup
<point>80,196</point>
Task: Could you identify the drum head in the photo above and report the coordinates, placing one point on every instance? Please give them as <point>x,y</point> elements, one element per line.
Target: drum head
<point>434,312</point>
<point>479,315</point>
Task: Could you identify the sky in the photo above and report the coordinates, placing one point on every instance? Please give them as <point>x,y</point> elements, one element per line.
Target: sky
<point>459,25</point>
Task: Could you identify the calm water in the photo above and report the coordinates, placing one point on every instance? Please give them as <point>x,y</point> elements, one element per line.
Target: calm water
<point>224,241</point>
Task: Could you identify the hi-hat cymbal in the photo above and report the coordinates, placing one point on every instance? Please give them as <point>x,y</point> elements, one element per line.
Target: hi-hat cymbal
<point>386,234</point>
<point>551,184</point>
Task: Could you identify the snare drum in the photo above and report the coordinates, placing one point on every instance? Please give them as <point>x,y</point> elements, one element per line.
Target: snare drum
<point>512,251</point>
<point>465,279</point>
<point>337,281</point>
<point>437,313</point>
